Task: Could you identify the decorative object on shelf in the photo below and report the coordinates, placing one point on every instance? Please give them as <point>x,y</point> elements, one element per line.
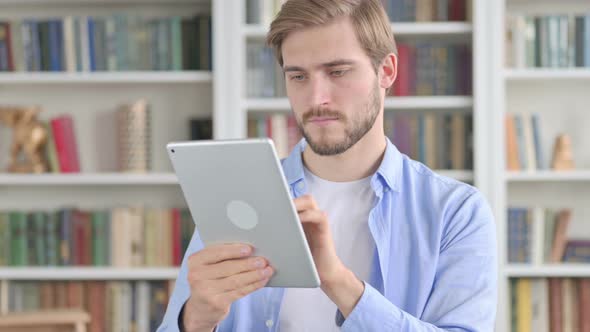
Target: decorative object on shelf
<point>29,137</point>
<point>562,153</point>
<point>134,133</point>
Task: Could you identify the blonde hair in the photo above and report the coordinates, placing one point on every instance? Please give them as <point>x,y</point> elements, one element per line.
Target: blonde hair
<point>369,19</point>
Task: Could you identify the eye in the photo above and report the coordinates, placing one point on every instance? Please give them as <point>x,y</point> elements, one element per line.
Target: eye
<point>297,78</point>
<point>338,73</point>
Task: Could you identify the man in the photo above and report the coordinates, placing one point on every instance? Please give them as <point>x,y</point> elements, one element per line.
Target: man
<point>397,247</point>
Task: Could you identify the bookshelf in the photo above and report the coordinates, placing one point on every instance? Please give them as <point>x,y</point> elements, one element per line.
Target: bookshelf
<point>187,77</point>
<point>556,93</point>
<point>91,99</point>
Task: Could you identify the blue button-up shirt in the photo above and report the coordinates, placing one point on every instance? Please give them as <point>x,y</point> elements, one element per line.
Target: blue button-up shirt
<point>434,267</point>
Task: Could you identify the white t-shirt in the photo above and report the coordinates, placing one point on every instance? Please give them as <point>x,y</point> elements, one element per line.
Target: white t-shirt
<point>348,205</point>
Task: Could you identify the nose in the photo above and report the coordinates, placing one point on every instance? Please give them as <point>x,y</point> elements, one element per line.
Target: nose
<point>319,92</point>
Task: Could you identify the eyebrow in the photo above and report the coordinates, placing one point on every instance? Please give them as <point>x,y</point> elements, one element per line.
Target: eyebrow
<point>334,63</point>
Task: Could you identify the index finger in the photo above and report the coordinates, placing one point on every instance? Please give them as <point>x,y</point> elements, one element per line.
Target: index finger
<point>221,252</point>
<point>305,202</point>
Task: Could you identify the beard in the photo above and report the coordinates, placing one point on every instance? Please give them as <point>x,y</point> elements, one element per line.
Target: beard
<point>355,128</point>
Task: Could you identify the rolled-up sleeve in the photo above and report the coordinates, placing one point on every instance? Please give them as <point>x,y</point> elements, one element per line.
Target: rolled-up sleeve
<point>464,294</point>
<point>181,291</point>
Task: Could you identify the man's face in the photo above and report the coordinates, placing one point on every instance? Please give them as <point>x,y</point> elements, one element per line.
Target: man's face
<point>332,86</point>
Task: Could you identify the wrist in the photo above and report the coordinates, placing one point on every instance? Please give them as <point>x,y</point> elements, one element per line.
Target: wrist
<point>344,289</point>
<point>187,324</point>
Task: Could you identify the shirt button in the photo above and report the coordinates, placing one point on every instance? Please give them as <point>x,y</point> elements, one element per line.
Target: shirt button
<point>300,185</point>
<point>269,323</point>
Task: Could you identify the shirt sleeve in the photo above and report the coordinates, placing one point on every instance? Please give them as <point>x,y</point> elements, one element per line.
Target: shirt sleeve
<point>181,292</point>
<point>464,295</point>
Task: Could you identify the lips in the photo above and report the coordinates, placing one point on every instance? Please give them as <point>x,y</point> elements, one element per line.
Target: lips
<point>323,118</point>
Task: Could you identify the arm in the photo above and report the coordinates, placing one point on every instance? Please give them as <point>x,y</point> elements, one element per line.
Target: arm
<point>464,295</point>
<point>181,291</point>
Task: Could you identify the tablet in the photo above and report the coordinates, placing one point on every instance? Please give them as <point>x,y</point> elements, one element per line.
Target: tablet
<point>236,192</point>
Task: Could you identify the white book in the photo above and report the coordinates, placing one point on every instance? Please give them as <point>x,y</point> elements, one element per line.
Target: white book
<point>16,44</point>
<point>142,306</point>
<point>69,44</point>
<point>84,44</point>
<point>125,306</point>
<point>540,305</point>
<point>529,141</point>
<point>519,42</point>
<point>569,307</point>
<point>538,233</point>
<point>280,135</point>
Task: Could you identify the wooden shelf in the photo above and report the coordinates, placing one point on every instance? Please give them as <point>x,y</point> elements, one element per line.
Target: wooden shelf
<point>549,270</point>
<point>256,31</point>
<point>102,2</point>
<point>88,273</point>
<point>402,103</point>
<point>549,176</point>
<point>92,179</point>
<point>547,73</point>
<point>106,77</point>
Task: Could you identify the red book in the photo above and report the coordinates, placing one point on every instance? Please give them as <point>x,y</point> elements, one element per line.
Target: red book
<point>401,86</point>
<point>65,144</point>
<point>268,122</point>
<point>584,304</point>
<point>555,305</point>
<point>96,307</point>
<point>176,254</point>
<point>8,40</point>
<point>457,10</point>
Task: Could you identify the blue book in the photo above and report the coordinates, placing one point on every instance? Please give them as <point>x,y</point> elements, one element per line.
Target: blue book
<point>422,139</point>
<point>91,44</point>
<point>3,55</point>
<point>32,45</point>
<point>587,41</point>
<point>55,45</point>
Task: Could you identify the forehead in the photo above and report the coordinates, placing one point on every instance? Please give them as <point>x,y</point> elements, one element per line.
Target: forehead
<point>321,44</point>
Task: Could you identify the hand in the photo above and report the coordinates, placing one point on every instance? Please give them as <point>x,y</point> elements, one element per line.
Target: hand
<point>319,237</point>
<point>338,282</point>
<point>219,275</point>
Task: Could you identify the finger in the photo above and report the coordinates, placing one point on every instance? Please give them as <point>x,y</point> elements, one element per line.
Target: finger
<point>244,279</point>
<point>305,202</point>
<point>219,253</point>
<point>239,293</point>
<point>313,217</point>
<point>232,267</point>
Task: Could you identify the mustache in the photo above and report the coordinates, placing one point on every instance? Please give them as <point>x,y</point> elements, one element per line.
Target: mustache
<point>321,112</point>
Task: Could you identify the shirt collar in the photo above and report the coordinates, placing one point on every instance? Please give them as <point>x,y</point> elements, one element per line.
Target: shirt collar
<point>389,172</point>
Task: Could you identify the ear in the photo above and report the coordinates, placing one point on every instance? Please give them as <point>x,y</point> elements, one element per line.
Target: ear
<point>388,71</point>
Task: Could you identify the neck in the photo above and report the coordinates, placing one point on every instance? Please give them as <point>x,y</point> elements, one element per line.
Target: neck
<point>358,162</point>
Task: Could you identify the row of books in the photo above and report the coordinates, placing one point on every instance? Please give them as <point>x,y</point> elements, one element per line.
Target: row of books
<point>550,304</point>
<point>433,69</point>
<point>132,144</point>
<point>120,237</point>
<point>425,69</point>
<point>113,306</point>
<point>440,141</point>
<point>281,128</point>
<point>264,76</point>
<point>540,235</point>
<point>263,11</point>
<point>524,147</point>
<point>427,10</point>
<point>548,41</point>
<point>118,42</point>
